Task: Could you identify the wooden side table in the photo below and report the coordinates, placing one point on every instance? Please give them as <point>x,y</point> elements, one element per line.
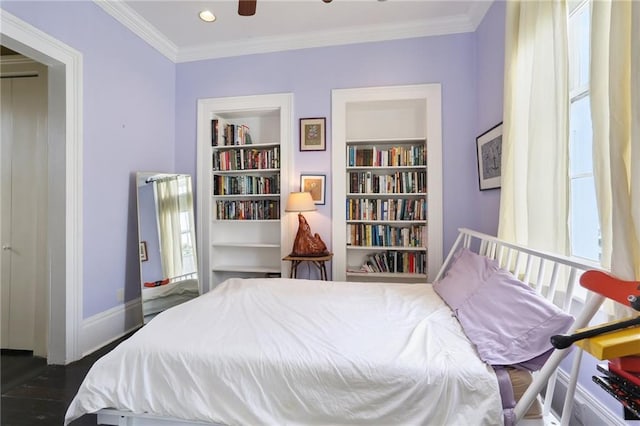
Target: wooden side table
<point>317,261</point>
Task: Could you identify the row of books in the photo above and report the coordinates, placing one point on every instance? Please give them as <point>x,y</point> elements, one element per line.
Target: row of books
<point>394,183</point>
<point>408,262</point>
<point>247,159</point>
<point>246,185</point>
<point>400,209</point>
<point>248,210</point>
<point>367,235</point>
<point>224,134</point>
<point>391,157</point>
<point>624,385</point>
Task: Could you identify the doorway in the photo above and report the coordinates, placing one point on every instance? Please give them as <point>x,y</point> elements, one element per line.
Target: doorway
<point>24,205</point>
<point>64,177</point>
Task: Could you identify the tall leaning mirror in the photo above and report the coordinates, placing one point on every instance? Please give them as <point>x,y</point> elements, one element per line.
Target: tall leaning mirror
<point>166,233</point>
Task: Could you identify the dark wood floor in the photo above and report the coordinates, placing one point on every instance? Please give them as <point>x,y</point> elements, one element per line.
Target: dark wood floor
<point>34,393</point>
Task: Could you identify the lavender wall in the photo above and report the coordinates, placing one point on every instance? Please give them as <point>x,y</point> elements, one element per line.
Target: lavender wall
<point>490,81</point>
<point>129,110</point>
<point>311,74</point>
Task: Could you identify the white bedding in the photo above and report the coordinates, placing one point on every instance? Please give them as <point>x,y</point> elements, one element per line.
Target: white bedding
<point>288,352</point>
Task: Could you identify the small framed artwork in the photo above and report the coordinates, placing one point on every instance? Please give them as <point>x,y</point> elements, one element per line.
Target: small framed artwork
<point>143,251</point>
<point>312,134</point>
<point>489,147</point>
<point>315,184</point>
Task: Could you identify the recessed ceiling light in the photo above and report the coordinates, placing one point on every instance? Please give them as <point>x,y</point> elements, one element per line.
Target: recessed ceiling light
<point>207,16</point>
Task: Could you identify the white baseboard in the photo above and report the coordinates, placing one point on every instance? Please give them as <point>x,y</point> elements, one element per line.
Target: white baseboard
<point>105,327</point>
<point>592,411</point>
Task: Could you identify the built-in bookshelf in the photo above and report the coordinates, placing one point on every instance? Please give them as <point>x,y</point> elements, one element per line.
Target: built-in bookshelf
<point>244,160</point>
<point>387,167</point>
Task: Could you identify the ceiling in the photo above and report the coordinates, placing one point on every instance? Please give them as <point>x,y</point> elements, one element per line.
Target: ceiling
<point>173,27</point>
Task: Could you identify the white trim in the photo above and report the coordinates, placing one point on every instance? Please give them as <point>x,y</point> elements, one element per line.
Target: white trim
<point>206,109</point>
<point>105,327</point>
<point>65,130</point>
<point>432,27</point>
<point>477,11</point>
<point>335,37</point>
<point>139,26</point>
<point>431,95</point>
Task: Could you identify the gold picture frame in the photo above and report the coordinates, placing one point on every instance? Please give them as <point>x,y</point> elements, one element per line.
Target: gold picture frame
<point>313,134</point>
<point>314,184</point>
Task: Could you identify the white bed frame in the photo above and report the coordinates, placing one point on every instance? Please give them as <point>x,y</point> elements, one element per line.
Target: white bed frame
<point>555,277</point>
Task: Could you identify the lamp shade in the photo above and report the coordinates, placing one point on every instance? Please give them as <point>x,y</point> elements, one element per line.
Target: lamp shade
<point>300,202</point>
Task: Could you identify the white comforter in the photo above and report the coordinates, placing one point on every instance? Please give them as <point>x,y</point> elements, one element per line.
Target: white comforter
<point>289,352</point>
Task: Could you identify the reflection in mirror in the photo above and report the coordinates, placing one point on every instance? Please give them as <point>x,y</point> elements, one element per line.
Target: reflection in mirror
<point>166,231</point>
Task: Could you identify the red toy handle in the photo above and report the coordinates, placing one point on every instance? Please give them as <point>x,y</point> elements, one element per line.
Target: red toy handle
<point>625,292</point>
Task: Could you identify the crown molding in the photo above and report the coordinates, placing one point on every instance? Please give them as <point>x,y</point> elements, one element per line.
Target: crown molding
<point>477,11</point>
<point>140,26</point>
<point>451,25</point>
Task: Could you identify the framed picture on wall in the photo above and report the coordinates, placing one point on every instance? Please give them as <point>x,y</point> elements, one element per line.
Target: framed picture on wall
<point>489,150</point>
<point>315,184</point>
<point>312,134</point>
<point>143,251</point>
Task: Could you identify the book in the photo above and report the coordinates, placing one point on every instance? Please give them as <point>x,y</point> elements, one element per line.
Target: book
<point>618,392</point>
<point>214,132</point>
<point>627,380</point>
<point>629,363</point>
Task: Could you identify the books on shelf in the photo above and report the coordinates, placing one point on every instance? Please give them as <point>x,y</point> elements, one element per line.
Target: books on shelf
<point>228,134</point>
<point>369,182</point>
<point>395,156</point>
<point>390,261</point>
<point>391,209</point>
<point>246,185</point>
<point>248,209</point>
<point>368,235</point>
<point>247,159</point>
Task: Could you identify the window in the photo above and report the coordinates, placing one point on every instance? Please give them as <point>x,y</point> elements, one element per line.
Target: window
<point>584,227</point>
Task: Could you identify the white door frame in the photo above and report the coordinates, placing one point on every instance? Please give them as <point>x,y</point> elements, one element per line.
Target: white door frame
<point>64,251</point>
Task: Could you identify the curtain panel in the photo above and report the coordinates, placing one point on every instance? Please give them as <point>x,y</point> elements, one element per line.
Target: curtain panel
<point>534,200</point>
<point>615,113</point>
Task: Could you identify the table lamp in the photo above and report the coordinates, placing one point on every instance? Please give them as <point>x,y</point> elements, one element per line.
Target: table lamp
<point>305,244</point>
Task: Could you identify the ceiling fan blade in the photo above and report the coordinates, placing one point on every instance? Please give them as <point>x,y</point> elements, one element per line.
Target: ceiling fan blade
<point>247,7</point>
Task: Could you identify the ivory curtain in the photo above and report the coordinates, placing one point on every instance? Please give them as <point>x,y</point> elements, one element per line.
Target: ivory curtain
<point>535,184</point>
<point>168,203</point>
<point>615,113</point>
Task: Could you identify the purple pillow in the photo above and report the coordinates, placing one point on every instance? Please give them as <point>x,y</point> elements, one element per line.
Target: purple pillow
<point>507,321</point>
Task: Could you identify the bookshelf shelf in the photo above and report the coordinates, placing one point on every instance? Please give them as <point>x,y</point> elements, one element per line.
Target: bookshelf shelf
<point>244,245</point>
<point>385,141</point>
<point>246,269</point>
<point>244,161</point>
<point>391,248</point>
<point>253,146</point>
<point>386,195</point>
<point>245,196</point>
<point>247,171</point>
<point>386,163</point>
<point>386,222</point>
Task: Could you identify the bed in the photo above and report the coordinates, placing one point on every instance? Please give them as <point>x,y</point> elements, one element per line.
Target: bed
<point>283,351</point>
